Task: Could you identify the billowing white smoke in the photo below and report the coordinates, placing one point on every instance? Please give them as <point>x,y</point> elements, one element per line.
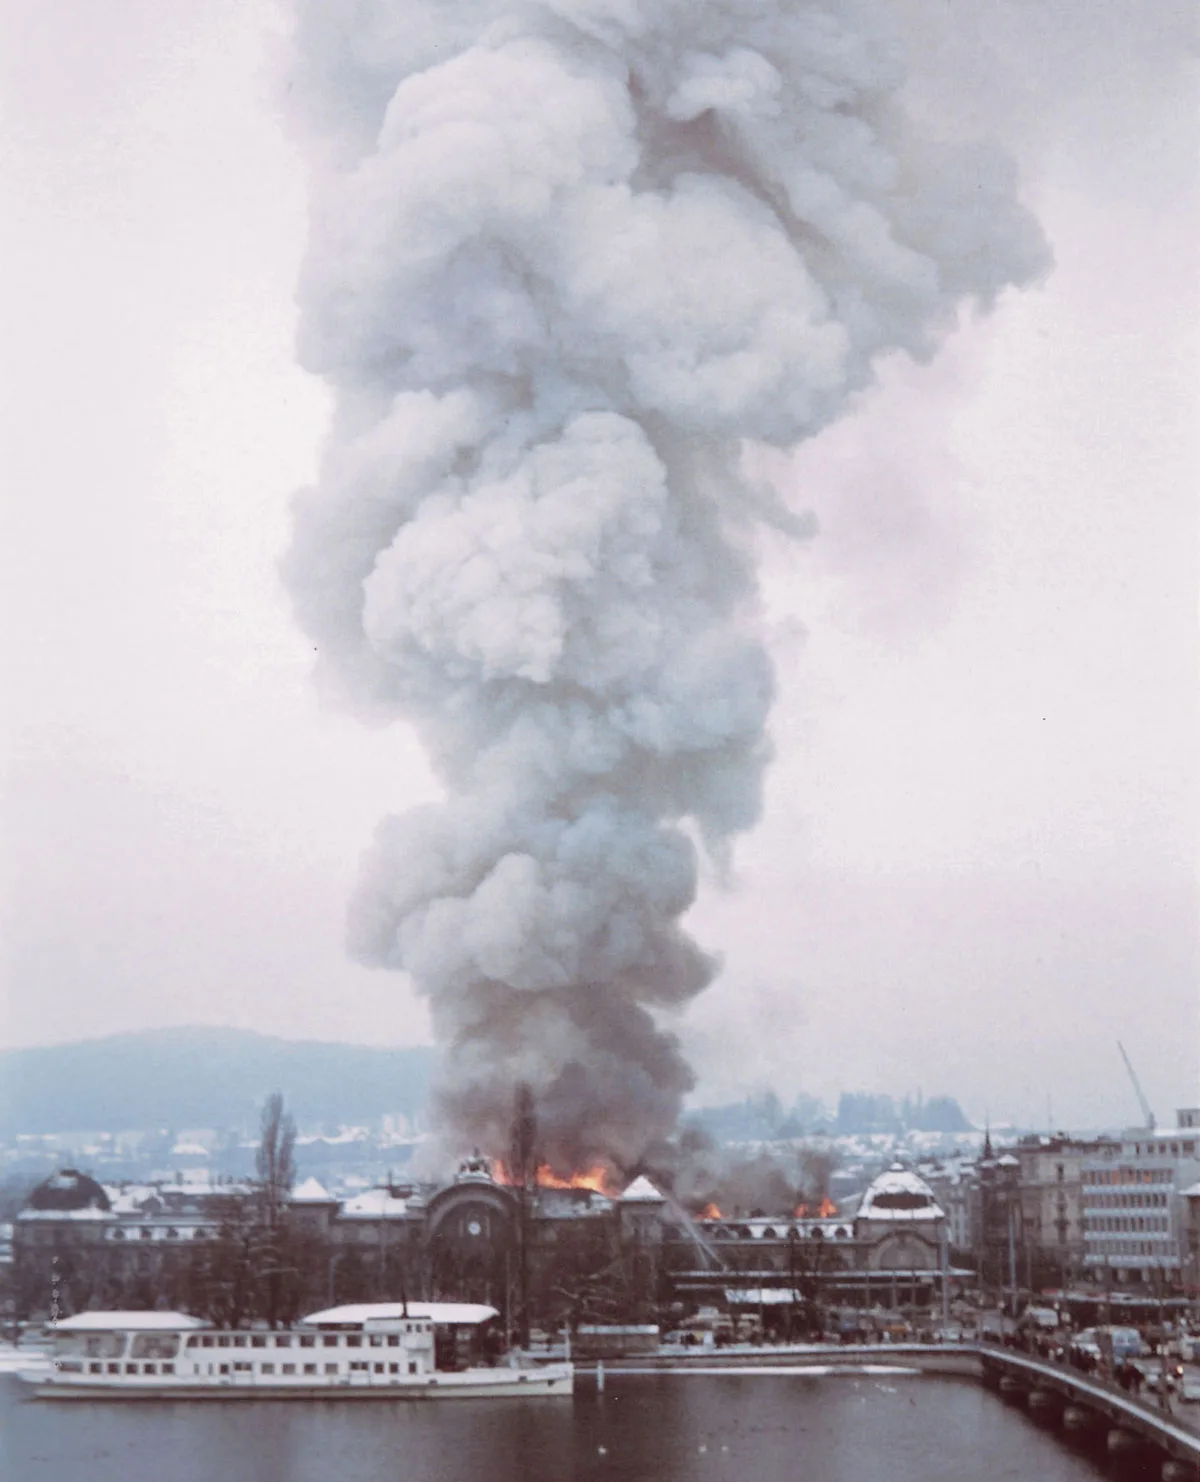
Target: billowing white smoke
<point>567,258</point>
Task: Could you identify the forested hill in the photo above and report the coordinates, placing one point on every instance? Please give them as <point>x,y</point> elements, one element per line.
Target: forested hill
<point>201,1077</point>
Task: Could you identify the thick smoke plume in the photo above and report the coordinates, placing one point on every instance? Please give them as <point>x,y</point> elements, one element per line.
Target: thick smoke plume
<point>567,259</point>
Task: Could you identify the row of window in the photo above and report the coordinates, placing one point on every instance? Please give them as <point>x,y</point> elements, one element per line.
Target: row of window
<point>1128,1201</point>
<point>1127,1175</point>
<point>74,1366</point>
<point>745,1232</point>
<point>1139,1222</point>
<point>1131,1248</point>
<point>153,1232</point>
<point>304,1340</point>
<point>1160,1149</point>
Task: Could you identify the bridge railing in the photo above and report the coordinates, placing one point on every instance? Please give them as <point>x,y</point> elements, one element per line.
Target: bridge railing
<point>1102,1393</point>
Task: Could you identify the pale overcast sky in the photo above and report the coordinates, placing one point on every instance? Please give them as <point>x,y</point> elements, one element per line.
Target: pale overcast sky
<point>978,867</point>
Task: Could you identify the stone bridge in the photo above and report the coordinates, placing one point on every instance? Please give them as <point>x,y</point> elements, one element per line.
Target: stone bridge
<point>1060,1396</point>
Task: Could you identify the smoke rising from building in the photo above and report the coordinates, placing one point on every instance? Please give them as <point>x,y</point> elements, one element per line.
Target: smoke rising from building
<point>567,260</point>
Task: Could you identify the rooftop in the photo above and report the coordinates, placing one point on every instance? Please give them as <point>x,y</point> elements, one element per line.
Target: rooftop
<point>359,1314</point>
<point>106,1322</point>
<point>900,1195</point>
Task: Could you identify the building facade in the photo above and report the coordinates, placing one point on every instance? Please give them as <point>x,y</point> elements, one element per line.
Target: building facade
<point>550,1254</point>
<point>1134,1208</point>
<point>1050,1202</point>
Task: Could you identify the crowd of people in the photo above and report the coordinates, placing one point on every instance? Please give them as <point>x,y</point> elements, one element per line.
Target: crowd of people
<point>1099,1360</point>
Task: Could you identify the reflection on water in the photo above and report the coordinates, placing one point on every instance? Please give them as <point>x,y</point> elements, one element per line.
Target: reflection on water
<point>663,1428</point>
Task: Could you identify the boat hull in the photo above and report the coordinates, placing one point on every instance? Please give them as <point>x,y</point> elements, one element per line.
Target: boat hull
<point>555,1380</point>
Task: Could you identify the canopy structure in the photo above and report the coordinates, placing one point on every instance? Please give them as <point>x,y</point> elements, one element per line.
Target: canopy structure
<point>359,1314</point>
<point>147,1322</point>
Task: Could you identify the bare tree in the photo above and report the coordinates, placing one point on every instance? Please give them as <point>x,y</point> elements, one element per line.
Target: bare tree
<point>275,1161</point>
<point>276,1168</point>
<point>522,1173</point>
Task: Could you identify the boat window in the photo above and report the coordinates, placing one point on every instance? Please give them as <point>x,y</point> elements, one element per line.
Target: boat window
<point>154,1345</point>
<point>168,1368</point>
<point>307,1341</point>
<point>258,1341</point>
<point>241,1368</point>
<point>283,1340</point>
<point>380,1368</point>
<point>95,1368</point>
<point>69,1366</point>
<point>98,1345</point>
<point>376,1340</point>
<point>223,1341</point>
<point>331,1368</point>
<point>358,1368</point>
<point>114,1368</point>
<point>412,1366</point>
<point>393,1368</point>
<point>149,1368</point>
<point>206,1342</point>
<point>287,1368</point>
<point>239,1340</point>
<point>131,1368</point>
<point>268,1368</point>
<point>312,1368</point>
<point>353,1340</point>
<point>223,1368</point>
<point>330,1340</point>
<point>393,1340</point>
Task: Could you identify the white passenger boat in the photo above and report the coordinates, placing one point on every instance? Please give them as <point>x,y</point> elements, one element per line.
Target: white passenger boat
<point>414,1350</point>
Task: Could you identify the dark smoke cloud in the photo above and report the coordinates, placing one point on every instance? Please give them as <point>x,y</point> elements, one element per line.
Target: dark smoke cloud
<point>567,260</point>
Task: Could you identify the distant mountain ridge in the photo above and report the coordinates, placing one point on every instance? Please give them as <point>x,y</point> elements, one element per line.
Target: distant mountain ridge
<point>205,1077</point>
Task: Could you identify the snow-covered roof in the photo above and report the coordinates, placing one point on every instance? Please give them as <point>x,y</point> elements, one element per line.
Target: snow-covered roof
<point>131,1198</point>
<point>359,1314</point>
<point>1192,1193</point>
<point>641,1190</point>
<point>91,1213</point>
<point>899,1195</point>
<point>760,1296</point>
<point>374,1204</point>
<point>311,1191</point>
<point>107,1322</point>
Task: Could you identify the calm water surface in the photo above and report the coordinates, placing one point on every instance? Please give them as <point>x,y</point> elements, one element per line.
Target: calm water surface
<point>660,1428</point>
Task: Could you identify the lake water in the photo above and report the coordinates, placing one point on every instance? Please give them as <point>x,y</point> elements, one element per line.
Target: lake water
<point>660,1428</point>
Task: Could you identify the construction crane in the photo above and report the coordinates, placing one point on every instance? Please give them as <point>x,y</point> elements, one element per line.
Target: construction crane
<point>1145,1105</point>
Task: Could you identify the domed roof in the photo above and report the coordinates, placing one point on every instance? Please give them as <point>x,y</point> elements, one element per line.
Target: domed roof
<point>68,1189</point>
<point>899,1195</point>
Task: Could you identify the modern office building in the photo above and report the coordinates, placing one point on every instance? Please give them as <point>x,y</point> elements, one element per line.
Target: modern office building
<point>1135,1213</point>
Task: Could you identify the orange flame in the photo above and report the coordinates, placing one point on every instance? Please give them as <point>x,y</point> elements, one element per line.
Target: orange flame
<point>710,1212</point>
<point>596,1178</point>
<point>826,1210</point>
